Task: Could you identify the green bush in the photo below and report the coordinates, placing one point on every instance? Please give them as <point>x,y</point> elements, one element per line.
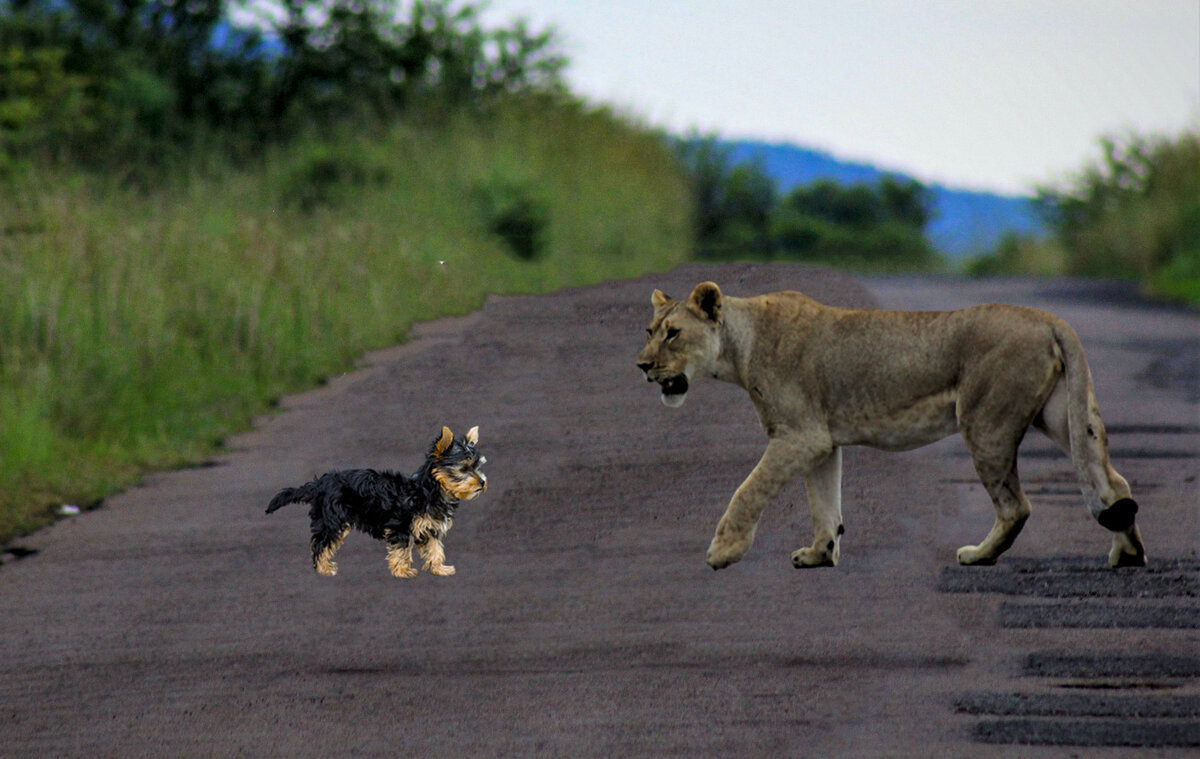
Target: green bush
<point>512,211</point>
<point>328,174</point>
<point>1134,214</point>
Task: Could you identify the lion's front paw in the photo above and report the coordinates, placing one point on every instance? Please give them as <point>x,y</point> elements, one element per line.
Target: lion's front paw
<point>806,558</point>
<point>968,555</point>
<point>722,552</point>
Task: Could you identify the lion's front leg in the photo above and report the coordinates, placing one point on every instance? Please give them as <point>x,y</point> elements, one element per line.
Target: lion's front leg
<point>824,486</point>
<point>735,532</point>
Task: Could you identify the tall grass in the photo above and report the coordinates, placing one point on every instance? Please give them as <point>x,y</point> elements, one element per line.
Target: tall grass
<point>139,327</point>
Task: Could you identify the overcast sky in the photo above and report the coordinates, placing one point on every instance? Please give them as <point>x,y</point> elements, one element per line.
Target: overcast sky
<point>983,94</point>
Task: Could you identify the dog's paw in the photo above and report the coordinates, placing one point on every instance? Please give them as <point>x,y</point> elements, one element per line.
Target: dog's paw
<point>405,574</point>
<point>328,569</point>
<point>443,571</point>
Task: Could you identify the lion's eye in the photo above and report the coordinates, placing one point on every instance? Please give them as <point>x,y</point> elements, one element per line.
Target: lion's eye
<point>672,333</point>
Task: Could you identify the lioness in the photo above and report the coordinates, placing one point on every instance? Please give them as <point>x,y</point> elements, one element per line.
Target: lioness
<point>822,377</point>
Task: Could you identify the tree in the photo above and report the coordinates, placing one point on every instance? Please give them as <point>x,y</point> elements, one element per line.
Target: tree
<point>733,203</point>
<point>740,214</point>
<point>153,74</point>
<point>356,54</point>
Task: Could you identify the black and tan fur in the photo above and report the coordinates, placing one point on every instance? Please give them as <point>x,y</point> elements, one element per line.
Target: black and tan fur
<point>405,511</point>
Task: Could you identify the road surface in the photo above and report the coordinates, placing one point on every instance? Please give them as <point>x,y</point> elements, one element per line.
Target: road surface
<point>179,620</point>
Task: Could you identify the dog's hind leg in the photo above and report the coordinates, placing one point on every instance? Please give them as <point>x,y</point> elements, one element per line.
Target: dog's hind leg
<point>434,554</point>
<point>399,556</point>
<point>324,545</point>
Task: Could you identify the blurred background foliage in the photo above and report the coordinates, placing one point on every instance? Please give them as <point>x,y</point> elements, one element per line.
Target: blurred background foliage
<point>196,219</point>
<point>198,216</point>
<point>740,213</point>
<point>1133,213</point>
<point>109,82</point>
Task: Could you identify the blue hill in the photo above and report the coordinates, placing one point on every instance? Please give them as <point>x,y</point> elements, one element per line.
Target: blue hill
<point>965,222</point>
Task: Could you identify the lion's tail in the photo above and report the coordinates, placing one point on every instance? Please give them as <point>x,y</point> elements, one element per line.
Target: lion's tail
<point>1105,491</point>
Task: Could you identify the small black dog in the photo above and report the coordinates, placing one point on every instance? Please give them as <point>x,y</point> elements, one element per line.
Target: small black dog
<point>403,510</point>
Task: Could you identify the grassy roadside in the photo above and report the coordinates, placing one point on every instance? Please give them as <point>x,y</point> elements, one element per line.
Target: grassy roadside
<point>140,327</point>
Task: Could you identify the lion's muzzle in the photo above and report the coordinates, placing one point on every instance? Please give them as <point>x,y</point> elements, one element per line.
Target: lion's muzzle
<point>674,386</point>
<point>674,389</point>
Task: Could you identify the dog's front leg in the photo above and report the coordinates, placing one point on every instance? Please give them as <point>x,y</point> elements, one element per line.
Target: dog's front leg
<point>399,557</point>
<point>784,458</point>
<point>434,554</point>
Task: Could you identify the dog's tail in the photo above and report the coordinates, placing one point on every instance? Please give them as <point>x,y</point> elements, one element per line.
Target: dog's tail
<point>302,494</point>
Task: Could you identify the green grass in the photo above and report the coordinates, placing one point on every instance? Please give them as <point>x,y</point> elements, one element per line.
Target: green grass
<point>139,327</point>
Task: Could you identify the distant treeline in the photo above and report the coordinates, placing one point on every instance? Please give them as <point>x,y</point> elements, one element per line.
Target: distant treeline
<point>1133,214</point>
<point>740,213</point>
<point>102,80</point>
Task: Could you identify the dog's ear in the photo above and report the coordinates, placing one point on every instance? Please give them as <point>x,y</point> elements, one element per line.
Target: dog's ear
<point>706,301</point>
<point>444,442</point>
<point>473,435</point>
<point>659,299</point>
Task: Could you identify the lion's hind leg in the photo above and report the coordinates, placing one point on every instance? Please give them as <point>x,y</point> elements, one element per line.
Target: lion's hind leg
<point>1105,491</point>
<point>1012,509</point>
<point>994,453</point>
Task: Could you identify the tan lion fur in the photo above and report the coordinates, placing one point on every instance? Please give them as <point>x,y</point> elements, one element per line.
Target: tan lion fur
<point>822,377</point>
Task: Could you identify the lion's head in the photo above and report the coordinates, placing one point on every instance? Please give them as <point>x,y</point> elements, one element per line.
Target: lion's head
<point>683,338</point>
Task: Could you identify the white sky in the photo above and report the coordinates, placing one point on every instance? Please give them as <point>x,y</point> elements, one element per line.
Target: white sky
<point>982,94</point>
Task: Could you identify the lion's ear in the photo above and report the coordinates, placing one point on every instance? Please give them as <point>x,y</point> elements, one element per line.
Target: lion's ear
<point>707,300</point>
<point>443,443</point>
<point>659,299</point>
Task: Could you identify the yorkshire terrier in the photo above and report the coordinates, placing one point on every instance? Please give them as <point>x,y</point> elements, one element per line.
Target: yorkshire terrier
<point>402,510</point>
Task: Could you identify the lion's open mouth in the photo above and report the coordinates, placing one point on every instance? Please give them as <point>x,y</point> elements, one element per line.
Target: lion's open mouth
<point>674,390</point>
<point>677,385</point>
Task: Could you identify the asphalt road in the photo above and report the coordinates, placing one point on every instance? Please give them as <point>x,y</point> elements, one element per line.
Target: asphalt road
<point>179,620</point>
